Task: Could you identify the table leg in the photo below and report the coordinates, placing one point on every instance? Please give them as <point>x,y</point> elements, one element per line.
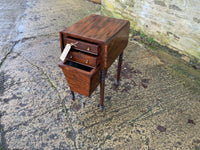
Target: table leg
<point>73,96</point>
<point>102,86</point>
<point>119,68</point>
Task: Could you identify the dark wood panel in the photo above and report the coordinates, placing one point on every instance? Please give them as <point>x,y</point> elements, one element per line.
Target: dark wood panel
<point>82,46</point>
<point>116,46</point>
<point>100,40</point>
<point>95,28</point>
<point>83,58</point>
<point>79,80</point>
<point>61,41</point>
<point>95,80</point>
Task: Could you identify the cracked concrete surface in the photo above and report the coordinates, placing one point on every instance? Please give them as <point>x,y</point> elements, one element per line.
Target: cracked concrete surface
<point>155,107</point>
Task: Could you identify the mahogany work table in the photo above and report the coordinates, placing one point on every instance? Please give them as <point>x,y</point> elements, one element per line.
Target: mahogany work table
<point>96,42</point>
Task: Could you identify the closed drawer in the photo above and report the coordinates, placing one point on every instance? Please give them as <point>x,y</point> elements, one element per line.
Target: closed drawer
<point>83,58</point>
<point>82,46</point>
<point>81,79</point>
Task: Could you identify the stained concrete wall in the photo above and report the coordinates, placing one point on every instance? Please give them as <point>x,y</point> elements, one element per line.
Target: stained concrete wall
<point>174,23</point>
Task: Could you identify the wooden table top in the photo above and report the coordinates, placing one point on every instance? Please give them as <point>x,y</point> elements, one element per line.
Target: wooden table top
<point>96,28</point>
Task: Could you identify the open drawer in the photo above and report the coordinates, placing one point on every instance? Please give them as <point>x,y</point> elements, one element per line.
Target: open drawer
<point>85,59</point>
<point>81,79</point>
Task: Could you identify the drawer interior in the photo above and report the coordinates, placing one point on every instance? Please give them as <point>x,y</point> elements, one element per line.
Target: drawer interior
<point>79,66</point>
<point>81,78</point>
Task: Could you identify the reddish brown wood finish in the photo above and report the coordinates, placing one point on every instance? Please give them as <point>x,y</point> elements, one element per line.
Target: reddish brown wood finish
<point>85,59</point>
<point>116,46</point>
<point>103,39</point>
<point>81,81</point>
<point>83,46</point>
<point>109,33</point>
<point>96,28</point>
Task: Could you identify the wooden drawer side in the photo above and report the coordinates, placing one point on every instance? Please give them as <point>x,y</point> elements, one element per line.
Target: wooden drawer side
<point>81,81</point>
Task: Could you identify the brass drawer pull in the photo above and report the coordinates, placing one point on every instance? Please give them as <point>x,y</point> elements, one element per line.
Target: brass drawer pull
<point>86,61</point>
<point>88,49</point>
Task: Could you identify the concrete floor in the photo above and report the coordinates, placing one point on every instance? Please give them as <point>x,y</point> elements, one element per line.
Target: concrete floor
<point>155,107</point>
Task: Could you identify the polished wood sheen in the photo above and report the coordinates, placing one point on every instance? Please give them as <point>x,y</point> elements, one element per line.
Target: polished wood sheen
<point>96,42</point>
<point>81,81</point>
<point>83,46</point>
<point>85,59</point>
<point>96,28</point>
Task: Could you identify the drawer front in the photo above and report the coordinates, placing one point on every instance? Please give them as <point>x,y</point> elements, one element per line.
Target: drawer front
<point>83,58</point>
<point>82,46</point>
<point>81,79</point>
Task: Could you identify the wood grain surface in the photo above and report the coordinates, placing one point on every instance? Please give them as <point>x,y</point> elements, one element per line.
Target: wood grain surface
<point>96,28</point>
<point>81,81</point>
<point>97,42</point>
<point>85,59</point>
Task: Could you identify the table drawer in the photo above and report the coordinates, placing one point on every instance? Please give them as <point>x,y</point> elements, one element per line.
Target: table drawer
<point>83,58</point>
<point>83,46</point>
<point>81,79</point>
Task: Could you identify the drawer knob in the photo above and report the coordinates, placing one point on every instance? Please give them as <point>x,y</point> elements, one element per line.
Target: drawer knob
<point>86,61</point>
<point>70,56</point>
<point>88,49</point>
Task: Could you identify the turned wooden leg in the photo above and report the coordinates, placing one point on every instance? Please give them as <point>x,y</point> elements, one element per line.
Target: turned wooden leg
<point>102,86</point>
<point>73,96</point>
<point>119,68</point>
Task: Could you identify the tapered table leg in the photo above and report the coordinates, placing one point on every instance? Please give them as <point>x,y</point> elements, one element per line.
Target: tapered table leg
<point>102,86</point>
<point>119,68</point>
<point>73,96</point>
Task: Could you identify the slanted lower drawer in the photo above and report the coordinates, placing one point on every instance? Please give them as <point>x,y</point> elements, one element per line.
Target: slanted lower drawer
<point>83,46</point>
<point>81,79</point>
<point>85,59</point>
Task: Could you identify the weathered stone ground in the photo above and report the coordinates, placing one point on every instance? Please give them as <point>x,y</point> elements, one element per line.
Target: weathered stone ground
<point>156,106</point>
